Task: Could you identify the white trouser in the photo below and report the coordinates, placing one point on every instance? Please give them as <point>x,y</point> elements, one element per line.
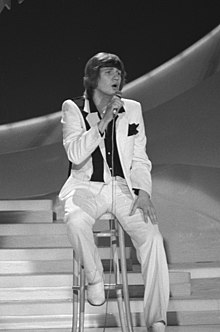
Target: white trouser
<point>89,202</point>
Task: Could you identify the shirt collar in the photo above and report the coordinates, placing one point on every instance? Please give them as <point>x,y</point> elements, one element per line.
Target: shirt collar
<point>93,107</point>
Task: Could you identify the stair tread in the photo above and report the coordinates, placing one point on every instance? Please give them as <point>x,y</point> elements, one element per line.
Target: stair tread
<point>23,217</point>
<point>65,292</point>
<point>198,328</point>
<point>26,204</point>
<point>198,269</point>
<point>61,306</point>
<point>134,278</point>
<point>208,328</point>
<point>207,287</point>
<point>204,289</point>
<point>40,228</point>
<point>97,320</point>
<point>64,278</point>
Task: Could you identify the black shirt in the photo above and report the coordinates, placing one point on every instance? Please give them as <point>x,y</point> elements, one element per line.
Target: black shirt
<point>113,161</point>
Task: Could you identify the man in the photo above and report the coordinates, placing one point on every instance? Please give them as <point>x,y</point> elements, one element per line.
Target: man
<point>104,138</point>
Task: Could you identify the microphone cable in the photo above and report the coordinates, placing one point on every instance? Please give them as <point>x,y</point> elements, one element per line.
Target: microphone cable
<point>113,219</point>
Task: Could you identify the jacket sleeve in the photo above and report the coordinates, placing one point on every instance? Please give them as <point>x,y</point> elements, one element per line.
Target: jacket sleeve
<point>141,165</point>
<point>78,142</point>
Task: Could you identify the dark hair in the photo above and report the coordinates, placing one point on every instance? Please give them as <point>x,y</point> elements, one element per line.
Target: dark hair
<point>93,66</point>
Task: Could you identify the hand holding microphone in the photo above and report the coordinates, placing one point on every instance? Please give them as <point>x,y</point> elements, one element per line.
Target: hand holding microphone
<point>119,104</point>
<point>111,111</point>
<point>114,106</point>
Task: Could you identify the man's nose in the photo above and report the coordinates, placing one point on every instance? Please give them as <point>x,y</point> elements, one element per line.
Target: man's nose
<point>116,76</point>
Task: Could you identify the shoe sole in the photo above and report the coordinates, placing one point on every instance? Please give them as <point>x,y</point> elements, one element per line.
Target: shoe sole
<point>96,305</point>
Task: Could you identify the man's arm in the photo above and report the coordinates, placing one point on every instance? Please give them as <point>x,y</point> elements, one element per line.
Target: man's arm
<point>141,175</point>
<point>143,202</point>
<point>141,165</point>
<point>79,143</point>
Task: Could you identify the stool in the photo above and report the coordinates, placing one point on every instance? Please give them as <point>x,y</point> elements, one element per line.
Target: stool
<point>121,280</point>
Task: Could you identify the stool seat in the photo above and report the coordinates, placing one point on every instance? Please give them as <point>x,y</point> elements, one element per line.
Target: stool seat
<point>115,232</point>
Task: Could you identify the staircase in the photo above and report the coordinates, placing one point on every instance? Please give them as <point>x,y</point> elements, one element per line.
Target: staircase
<point>36,279</point>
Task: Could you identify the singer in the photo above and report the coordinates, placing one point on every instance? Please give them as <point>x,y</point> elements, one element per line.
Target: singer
<point>104,138</point>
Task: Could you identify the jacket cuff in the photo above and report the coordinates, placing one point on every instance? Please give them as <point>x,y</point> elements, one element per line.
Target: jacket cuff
<point>136,191</point>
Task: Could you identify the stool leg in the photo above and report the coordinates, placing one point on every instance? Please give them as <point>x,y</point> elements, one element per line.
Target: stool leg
<point>117,280</point>
<point>124,277</point>
<point>75,293</point>
<point>82,300</point>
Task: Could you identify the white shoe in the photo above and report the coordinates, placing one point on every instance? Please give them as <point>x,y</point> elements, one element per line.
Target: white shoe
<point>96,293</point>
<point>157,327</point>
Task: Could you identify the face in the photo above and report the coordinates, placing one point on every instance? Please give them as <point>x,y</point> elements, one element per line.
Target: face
<point>109,80</point>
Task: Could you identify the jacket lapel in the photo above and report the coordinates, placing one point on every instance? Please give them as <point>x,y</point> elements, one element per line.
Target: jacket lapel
<point>121,134</point>
<point>93,119</point>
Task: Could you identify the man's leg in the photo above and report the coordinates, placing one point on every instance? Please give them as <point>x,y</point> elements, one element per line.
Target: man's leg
<point>151,254</point>
<point>80,233</point>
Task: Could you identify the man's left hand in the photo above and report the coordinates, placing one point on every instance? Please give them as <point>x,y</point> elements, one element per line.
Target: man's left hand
<point>144,203</point>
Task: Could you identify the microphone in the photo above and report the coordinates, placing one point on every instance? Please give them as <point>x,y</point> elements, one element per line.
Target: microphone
<point>117,94</point>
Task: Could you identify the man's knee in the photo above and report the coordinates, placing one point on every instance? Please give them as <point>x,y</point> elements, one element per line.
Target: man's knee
<point>77,222</point>
<point>157,237</point>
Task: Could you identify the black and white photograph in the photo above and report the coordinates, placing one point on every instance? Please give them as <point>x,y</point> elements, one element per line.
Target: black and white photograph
<point>109,166</point>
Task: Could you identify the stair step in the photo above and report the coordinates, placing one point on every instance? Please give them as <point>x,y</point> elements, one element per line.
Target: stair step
<point>58,227</point>
<point>26,205</point>
<point>31,256</point>
<point>197,328</point>
<point>33,229</point>
<point>198,270</point>
<point>175,276</point>
<point>99,319</point>
<point>194,328</point>
<point>52,266</point>
<point>44,241</point>
<point>205,297</point>
<point>36,293</point>
<point>208,287</point>
<point>65,279</point>
<point>136,289</point>
<point>59,307</point>
<point>17,217</point>
<point>193,318</point>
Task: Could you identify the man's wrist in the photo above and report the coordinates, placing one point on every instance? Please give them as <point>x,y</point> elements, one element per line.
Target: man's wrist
<point>144,192</point>
<point>138,191</point>
<point>102,125</point>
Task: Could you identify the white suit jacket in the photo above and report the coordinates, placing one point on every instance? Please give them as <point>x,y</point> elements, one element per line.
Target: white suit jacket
<point>80,143</point>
